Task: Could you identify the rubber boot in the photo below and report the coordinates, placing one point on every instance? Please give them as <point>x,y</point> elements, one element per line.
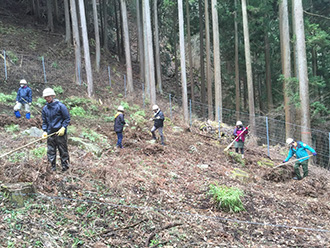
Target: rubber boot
<point>53,167</point>
<point>17,114</point>
<point>28,116</point>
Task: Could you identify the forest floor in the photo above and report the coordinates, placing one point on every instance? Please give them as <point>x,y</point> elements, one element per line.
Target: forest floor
<point>148,195</point>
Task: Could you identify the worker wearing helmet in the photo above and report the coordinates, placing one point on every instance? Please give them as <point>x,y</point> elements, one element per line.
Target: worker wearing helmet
<point>158,120</point>
<point>55,119</point>
<point>298,148</point>
<point>119,125</point>
<point>240,132</point>
<point>24,97</point>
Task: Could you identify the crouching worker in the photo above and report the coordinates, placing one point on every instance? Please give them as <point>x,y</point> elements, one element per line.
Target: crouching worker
<point>299,149</point>
<point>240,132</point>
<point>158,123</point>
<point>55,119</point>
<point>119,125</point>
<point>24,97</point>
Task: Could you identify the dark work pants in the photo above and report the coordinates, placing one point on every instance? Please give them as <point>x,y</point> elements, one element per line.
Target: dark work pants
<point>119,139</point>
<point>58,142</point>
<point>304,165</point>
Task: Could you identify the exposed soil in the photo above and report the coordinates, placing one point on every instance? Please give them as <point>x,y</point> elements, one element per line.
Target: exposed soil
<point>148,195</point>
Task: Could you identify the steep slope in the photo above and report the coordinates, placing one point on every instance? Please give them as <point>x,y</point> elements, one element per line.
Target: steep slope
<point>147,195</point>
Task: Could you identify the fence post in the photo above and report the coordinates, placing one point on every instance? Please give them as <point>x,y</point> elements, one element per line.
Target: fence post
<point>44,69</point>
<point>143,96</point>
<point>109,76</point>
<point>4,60</point>
<point>267,131</point>
<point>219,121</point>
<point>169,96</point>
<point>190,112</point>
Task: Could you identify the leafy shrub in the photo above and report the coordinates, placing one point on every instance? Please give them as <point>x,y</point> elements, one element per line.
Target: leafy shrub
<point>12,56</point>
<point>138,117</point>
<point>58,89</point>
<point>76,101</point>
<point>12,128</point>
<point>109,119</point>
<point>41,102</point>
<point>77,111</point>
<point>7,98</point>
<point>39,152</point>
<point>92,135</point>
<point>227,199</point>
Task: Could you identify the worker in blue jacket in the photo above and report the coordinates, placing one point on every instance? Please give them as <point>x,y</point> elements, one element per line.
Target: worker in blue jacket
<point>298,148</point>
<point>55,119</point>
<point>24,97</point>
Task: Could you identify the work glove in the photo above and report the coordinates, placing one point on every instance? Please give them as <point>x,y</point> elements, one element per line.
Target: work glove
<point>44,135</point>
<point>30,103</point>
<point>158,117</point>
<point>61,131</point>
<point>16,102</point>
<point>151,119</point>
<point>314,153</point>
<point>284,161</point>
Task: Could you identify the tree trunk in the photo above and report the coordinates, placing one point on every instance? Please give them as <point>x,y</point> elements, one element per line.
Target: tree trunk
<point>105,26</point>
<point>217,62</point>
<point>127,47</point>
<point>208,63</point>
<point>140,39</point>
<point>56,11</point>
<point>90,87</point>
<point>201,52</point>
<point>302,71</point>
<point>146,52</point>
<point>268,74</point>
<point>286,64</point>
<point>248,67</point>
<point>97,37</point>
<point>67,22</point>
<point>76,40</point>
<point>237,85</point>
<point>50,16</point>
<point>121,33</point>
<point>183,64</point>
<point>151,64</point>
<point>117,30</point>
<point>191,78</point>
<point>157,53</point>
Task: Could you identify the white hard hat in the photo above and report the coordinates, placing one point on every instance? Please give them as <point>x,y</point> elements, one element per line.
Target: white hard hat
<point>239,123</point>
<point>23,81</point>
<point>155,107</point>
<point>289,141</point>
<point>48,92</point>
<point>121,108</point>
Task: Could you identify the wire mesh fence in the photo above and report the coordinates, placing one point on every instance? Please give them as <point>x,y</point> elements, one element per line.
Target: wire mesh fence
<point>269,131</point>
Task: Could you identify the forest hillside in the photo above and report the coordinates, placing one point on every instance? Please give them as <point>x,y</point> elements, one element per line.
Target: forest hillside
<point>188,193</point>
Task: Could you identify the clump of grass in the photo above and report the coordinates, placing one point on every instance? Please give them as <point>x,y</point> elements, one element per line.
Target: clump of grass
<point>227,198</point>
<point>92,135</point>
<point>78,111</point>
<point>12,128</point>
<point>39,152</point>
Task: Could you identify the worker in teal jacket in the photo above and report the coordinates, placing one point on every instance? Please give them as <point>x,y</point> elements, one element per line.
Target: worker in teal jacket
<point>299,149</point>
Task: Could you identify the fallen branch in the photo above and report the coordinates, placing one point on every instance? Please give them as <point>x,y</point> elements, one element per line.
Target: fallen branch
<point>167,226</point>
